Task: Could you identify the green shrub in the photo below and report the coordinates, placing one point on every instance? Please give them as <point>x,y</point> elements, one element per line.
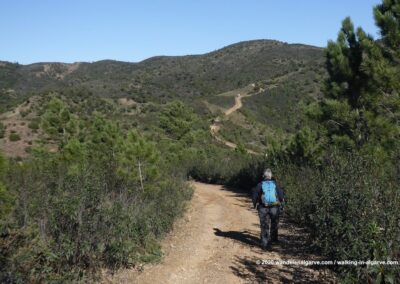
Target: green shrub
<point>34,125</point>
<point>87,207</point>
<point>2,130</point>
<point>14,137</point>
<point>351,207</point>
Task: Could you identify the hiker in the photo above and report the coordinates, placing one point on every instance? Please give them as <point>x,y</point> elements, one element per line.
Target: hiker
<point>268,199</point>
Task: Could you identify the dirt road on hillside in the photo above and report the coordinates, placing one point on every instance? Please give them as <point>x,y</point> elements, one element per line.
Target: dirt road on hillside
<point>215,126</point>
<point>238,104</point>
<point>217,242</point>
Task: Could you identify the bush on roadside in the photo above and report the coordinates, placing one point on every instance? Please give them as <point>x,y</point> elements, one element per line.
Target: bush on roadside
<point>14,137</point>
<point>96,203</point>
<point>351,208</point>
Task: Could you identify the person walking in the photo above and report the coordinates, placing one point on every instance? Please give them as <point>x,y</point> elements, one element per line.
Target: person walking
<point>268,198</point>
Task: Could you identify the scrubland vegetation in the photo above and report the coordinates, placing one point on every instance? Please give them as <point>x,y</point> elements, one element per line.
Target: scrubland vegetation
<point>110,156</point>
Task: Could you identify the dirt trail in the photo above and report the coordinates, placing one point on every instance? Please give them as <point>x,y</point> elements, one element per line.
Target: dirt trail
<point>215,126</point>
<point>217,242</point>
<point>238,104</point>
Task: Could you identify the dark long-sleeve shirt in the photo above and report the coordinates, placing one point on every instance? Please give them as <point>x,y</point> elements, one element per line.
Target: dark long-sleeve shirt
<point>257,192</point>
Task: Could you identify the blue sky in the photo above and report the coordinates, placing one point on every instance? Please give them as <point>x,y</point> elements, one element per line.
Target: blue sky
<point>90,30</point>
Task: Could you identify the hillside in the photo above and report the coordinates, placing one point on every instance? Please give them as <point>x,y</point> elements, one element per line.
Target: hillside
<point>163,77</point>
<point>291,74</point>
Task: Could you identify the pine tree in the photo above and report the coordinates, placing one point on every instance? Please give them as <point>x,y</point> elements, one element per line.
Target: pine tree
<point>138,160</point>
<point>177,120</point>
<point>387,18</point>
<point>103,137</point>
<point>57,121</point>
<point>362,108</point>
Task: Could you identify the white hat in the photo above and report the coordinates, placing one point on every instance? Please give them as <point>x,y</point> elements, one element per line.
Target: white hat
<point>268,173</point>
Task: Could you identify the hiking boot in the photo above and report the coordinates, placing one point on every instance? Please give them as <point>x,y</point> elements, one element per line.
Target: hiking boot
<point>266,246</point>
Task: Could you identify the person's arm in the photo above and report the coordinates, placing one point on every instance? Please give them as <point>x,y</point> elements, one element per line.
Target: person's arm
<point>281,195</point>
<point>256,195</point>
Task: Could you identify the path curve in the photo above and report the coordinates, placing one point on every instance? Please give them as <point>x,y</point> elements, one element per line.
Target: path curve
<point>215,126</point>
<point>217,242</point>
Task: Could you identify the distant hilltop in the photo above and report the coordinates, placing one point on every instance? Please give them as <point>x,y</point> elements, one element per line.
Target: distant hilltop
<point>228,68</point>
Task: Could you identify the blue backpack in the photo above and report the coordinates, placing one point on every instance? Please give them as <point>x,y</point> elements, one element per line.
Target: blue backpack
<point>269,194</point>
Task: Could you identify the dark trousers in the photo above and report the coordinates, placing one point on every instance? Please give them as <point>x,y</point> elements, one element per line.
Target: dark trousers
<point>266,214</point>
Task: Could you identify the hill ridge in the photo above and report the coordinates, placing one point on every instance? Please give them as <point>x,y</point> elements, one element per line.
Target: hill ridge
<point>240,43</point>
<point>160,78</point>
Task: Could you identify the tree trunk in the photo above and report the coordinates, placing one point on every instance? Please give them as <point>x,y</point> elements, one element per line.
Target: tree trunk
<point>140,176</point>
